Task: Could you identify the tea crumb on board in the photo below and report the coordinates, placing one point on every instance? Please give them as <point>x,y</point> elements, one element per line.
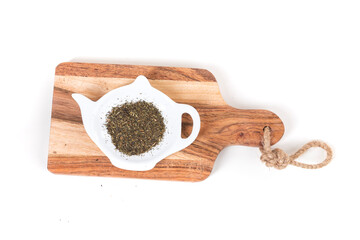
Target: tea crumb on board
<point>135,127</point>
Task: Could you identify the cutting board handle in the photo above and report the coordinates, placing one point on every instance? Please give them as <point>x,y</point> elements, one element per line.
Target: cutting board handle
<point>232,126</point>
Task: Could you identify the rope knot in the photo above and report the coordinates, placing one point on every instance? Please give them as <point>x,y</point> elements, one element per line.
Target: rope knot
<point>276,158</point>
<point>279,159</point>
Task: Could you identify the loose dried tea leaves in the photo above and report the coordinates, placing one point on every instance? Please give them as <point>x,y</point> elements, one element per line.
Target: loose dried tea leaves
<point>135,127</point>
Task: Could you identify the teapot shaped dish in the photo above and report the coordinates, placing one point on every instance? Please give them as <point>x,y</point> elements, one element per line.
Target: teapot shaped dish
<point>94,115</point>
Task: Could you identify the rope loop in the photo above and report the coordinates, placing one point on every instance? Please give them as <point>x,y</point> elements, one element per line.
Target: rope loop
<point>279,159</point>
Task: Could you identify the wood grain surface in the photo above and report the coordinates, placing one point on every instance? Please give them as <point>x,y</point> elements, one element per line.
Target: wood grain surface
<point>71,151</point>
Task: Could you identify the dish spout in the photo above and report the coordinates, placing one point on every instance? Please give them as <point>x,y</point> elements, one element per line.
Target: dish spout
<point>86,107</point>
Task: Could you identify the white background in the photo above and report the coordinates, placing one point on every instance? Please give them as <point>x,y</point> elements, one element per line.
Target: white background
<point>299,59</point>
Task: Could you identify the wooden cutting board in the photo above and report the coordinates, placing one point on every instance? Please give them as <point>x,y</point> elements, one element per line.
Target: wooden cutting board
<point>72,152</point>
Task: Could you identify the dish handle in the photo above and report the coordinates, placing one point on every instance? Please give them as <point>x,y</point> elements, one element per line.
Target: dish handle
<point>185,108</point>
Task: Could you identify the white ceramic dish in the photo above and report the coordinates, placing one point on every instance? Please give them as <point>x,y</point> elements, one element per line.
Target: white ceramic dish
<point>94,118</point>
